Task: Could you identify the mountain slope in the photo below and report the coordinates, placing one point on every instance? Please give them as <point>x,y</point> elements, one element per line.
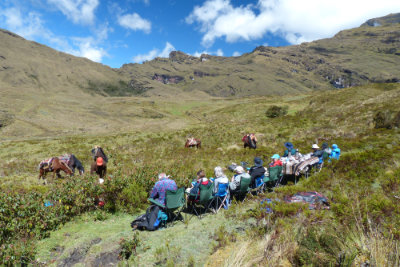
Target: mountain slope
<point>352,57</point>
<point>45,92</point>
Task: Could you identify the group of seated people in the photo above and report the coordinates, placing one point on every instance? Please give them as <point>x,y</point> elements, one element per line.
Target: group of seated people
<point>258,170</point>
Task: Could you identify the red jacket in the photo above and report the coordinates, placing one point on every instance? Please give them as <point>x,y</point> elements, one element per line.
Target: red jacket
<point>276,163</point>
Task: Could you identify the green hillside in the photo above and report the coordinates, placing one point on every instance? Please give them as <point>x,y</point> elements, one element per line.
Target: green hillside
<point>363,187</point>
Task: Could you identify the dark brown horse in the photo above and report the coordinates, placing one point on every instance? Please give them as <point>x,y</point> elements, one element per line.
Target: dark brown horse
<point>193,142</point>
<point>250,140</point>
<point>73,163</point>
<point>54,165</point>
<point>99,166</point>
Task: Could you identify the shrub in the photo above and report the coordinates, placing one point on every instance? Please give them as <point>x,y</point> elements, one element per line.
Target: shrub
<point>387,119</point>
<point>276,111</point>
<point>129,246</point>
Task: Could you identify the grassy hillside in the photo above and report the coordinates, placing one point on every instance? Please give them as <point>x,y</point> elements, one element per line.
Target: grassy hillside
<point>44,92</point>
<point>363,187</point>
<point>352,57</point>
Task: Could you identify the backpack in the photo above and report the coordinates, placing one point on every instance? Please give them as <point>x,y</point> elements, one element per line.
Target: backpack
<point>147,221</point>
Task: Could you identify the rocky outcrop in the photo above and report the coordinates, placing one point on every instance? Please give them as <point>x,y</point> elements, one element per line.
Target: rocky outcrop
<point>167,79</point>
<point>199,73</point>
<point>178,56</point>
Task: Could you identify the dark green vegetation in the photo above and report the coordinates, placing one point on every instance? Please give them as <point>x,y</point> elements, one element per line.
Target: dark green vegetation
<point>362,224</point>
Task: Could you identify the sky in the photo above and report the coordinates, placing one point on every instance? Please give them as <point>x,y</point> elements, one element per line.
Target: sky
<point>133,31</point>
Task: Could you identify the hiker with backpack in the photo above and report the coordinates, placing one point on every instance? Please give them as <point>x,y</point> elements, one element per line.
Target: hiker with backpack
<point>256,171</point>
<point>164,183</point>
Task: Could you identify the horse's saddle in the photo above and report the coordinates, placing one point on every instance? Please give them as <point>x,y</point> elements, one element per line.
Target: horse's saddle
<point>192,142</point>
<point>46,164</point>
<point>66,158</point>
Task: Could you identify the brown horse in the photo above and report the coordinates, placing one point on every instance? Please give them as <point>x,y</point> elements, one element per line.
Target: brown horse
<point>193,142</point>
<point>99,166</point>
<point>250,140</point>
<point>54,165</point>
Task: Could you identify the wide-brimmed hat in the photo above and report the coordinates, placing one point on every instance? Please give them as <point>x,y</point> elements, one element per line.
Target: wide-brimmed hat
<point>258,161</point>
<point>289,145</point>
<point>315,146</point>
<point>99,161</point>
<point>275,156</point>
<point>239,169</point>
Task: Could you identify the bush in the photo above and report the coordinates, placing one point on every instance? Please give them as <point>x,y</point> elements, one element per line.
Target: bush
<point>387,119</point>
<point>276,111</point>
<point>128,247</point>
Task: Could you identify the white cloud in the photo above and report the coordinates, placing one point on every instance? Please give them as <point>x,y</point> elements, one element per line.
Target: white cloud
<point>219,53</point>
<point>87,48</point>
<point>154,53</point>
<point>236,54</point>
<point>79,11</point>
<point>32,27</point>
<point>134,22</point>
<point>296,21</point>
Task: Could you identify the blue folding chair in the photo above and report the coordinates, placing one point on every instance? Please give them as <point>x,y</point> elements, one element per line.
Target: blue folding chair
<point>221,198</point>
<point>260,185</point>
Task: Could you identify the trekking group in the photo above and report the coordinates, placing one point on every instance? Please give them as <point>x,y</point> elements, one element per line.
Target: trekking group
<point>204,192</point>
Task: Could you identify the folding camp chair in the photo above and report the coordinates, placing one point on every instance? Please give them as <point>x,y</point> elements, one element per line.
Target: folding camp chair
<point>260,185</point>
<point>174,202</point>
<point>203,202</point>
<point>244,188</point>
<point>275,177</point>
<point>221,198</point>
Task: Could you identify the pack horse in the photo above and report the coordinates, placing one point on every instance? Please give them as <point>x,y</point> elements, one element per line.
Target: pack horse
<point>193,142</point>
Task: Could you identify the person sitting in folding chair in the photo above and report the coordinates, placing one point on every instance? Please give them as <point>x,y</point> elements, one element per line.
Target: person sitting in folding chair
<point>221,189</point>
<point>320,154</point>
<point>235,180</point>
<point>160,188</point>
<point>256,172</point>
<point>194,192</point>
<point>219,177</point>
<point>275,161</point>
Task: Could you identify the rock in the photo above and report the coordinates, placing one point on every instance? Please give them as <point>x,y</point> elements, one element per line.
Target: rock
<point>167,79</point>
<point>107,259</point>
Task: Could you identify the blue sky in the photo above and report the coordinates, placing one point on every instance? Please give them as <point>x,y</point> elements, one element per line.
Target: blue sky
<point>133,31</point>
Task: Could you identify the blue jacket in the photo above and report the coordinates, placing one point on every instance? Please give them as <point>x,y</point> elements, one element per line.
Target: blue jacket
<point>335,152</point>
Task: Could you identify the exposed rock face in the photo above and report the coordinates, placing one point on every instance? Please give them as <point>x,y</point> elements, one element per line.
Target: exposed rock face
<point>178,56</point>
<point>392,18</point>
<point>167,79</point>
<point>200,73</point>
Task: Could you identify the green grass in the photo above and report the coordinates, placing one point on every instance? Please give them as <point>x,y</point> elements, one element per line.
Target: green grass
<point>194,238</point>
<point>362,221</point>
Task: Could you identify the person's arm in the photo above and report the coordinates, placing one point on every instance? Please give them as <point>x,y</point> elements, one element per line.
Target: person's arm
<point>154,191</point>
